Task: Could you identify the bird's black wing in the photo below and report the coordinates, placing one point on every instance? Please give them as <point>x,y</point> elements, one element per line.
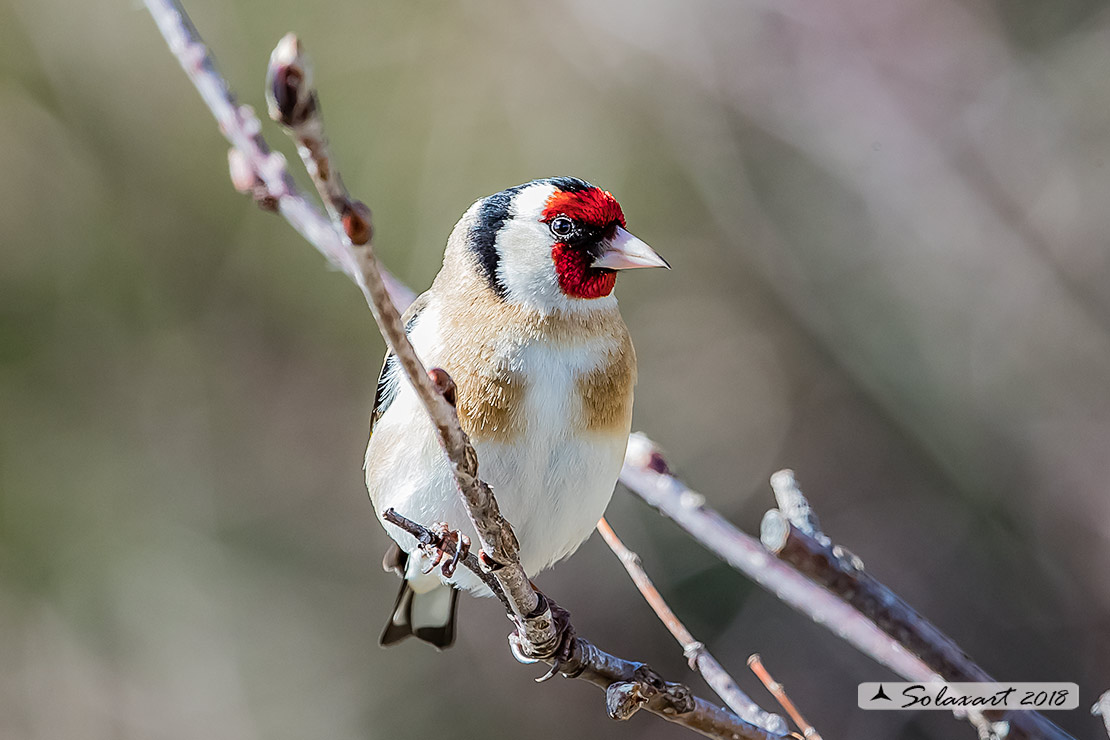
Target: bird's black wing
<point>389,377</point>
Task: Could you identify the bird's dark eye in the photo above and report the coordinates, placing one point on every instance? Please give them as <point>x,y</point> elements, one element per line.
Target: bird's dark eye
<point>561,226</point>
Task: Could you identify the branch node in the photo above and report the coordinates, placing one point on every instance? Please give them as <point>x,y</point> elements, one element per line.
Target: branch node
<point>692,500</point>
<point>774,530</point>
<point>624,698</point>
<point>691,653</point>
<point>848,558</point>
<point>793,503</point>
<point>243,177</point>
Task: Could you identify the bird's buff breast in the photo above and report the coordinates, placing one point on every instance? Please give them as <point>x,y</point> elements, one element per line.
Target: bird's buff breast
<point>548,409</point>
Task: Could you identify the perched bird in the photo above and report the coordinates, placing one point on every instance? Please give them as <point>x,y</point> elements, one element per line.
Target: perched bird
<point>522,315</point>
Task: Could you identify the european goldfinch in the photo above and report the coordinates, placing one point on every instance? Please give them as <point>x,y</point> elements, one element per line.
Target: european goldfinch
<point>522,315</point>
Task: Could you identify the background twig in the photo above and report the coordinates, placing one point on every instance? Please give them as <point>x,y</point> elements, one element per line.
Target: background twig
<point>696,653</point>
<point>779,692</point>
<point>646,474</point>
<point>1102,709</point>
<point>813,555</point>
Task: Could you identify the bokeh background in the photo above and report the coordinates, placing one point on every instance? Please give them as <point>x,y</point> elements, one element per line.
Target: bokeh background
<point>887,220</point>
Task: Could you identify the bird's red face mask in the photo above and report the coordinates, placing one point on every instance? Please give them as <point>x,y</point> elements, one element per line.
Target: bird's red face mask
<point>591,243</point>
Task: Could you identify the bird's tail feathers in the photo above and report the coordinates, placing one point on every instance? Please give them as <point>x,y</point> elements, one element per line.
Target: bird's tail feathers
<point>428,615</point>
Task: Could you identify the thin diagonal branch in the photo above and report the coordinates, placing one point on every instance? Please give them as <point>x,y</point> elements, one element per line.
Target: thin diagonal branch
<point>696,653</point>
<point>779,692</point>
<point>646,474</point>
<point>813,555</point>
<point>820,564</point>
<point>1102,709</point>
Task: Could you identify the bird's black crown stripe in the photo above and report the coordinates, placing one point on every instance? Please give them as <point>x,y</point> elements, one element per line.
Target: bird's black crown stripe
<point>568,184</point>
<point>492,215</point>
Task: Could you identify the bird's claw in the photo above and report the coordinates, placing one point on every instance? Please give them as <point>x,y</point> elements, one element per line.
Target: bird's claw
<point>437,550</point>
<point>563,653</point>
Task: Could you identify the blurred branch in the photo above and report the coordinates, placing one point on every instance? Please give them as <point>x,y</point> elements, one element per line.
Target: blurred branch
<point>793,537</point>
<point>700,659</point>
<point>779,692</point>
<point>253,165</point>
<point>646,474</point>
<point>628,686</point>
<point>254,168</point>
<point>1102,709</point>
<point>843,577</point>
<point>795,505</point>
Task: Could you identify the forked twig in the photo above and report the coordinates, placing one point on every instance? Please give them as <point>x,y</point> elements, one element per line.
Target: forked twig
<point>628,686</point>
<point>646,474</point>
<point>793,536</point>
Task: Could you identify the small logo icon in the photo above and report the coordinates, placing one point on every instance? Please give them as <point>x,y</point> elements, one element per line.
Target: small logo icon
<point>880,694</point>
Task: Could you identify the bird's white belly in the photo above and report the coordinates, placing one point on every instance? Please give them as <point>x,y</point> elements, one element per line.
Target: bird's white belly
<point>552,482</point>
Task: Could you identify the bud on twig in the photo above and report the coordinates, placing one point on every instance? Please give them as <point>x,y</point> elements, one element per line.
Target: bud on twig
<point>290,97</point>
<point>357,223</point>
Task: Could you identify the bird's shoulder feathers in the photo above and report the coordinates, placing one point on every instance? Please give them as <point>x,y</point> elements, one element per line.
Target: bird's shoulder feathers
<point>388,378</point>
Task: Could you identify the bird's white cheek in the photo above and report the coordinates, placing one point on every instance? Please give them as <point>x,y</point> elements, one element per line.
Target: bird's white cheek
<point>526,268</point>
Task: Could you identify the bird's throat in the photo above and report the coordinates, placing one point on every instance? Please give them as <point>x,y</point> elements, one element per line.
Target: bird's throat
<point>576,278</point>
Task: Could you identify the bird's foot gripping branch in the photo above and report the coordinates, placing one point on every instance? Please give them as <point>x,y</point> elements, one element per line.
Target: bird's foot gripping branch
<point>629,686</point>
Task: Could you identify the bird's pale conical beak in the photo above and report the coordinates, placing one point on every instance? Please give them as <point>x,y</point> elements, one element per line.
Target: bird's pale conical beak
<point>625,252</point>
